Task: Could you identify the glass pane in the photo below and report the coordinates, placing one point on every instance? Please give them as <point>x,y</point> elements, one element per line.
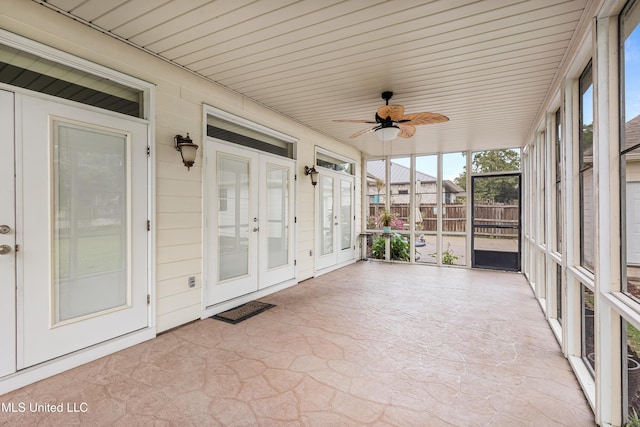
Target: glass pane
<point>376,190</point>
<point>559,293</point>
<point>277,215</point>
<point>587,219</point>
<point>454,194</point>
<point>633,368</point>
<point>630,161</point>
<point>345,214</point>
<point>542,207</point>
<point>26,70</point>
<point>426,248</point>
<point>558,180</point>
<point>326,215</point>
<point>233,217</point>
<point>588,324</point>
<point>632,223</point>
<point>426,194</point>
<point>453,250</point>
<point>90,239</point>
<point>399,192</point>
<point>242,135</point>
<point>330,162</point>
<point>496,161</point>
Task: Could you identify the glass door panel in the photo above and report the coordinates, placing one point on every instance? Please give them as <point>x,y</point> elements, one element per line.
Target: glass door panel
<point>326,215</point>
<point>345,214</point>
<point>277,216</point>
<point>91,221</point>
<point>233,217</point>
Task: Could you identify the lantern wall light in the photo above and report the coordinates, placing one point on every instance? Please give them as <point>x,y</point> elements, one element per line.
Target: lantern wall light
<point>313,172</point>
<point>187,149</point>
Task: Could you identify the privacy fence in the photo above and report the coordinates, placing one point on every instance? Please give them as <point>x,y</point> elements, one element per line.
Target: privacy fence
<point>454,217</point>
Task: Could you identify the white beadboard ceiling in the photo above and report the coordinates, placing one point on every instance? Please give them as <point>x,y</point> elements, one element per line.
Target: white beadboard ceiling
<point>488,65</point>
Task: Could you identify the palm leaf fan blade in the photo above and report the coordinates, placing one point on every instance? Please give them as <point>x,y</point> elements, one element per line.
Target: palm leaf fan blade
<point>406,130</point>
<point>394,112</point>
<point>362,132</point>
<point>356,121</point>
<point>423,118</point>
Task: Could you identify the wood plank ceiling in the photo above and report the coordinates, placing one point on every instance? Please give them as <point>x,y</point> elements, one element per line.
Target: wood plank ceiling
<point>488,65</point>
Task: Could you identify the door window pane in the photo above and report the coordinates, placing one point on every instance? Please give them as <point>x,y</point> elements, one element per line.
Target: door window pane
<point>277,215</point>
<point>91,221</point>
<point>233,217</point>
<point>345,214</point>
<point>326,215</point>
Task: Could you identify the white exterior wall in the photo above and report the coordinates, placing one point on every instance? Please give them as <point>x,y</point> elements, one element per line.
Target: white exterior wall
<point>180,96</point>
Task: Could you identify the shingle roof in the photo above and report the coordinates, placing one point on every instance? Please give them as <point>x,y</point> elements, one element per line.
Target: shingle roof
<point>399,174</point>
<point>632,132</point>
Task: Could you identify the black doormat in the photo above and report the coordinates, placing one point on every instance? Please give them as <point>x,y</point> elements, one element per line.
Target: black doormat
<point>243,312</point>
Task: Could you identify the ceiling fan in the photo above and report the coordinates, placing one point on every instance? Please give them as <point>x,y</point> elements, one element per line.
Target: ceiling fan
<point>392,122</point>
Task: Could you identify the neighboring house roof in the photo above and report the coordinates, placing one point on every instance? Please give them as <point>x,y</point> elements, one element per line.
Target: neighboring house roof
<point>632,132</point>
<point>400,175</point>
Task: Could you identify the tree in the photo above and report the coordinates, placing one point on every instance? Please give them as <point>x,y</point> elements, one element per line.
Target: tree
<point>497,189</point>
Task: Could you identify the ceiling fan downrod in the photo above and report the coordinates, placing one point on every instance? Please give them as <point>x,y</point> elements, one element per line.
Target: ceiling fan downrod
<point>387,96</point>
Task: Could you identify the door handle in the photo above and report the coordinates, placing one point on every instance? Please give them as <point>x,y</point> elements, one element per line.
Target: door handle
<point>256,228</point>
<point>5,249</point>
<point>5,229</point>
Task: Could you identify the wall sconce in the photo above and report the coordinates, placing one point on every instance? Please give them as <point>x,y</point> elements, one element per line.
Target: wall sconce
<point>313,172</point>
<point>187,149</point>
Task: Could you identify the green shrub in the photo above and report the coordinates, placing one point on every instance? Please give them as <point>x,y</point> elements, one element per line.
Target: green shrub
<point>399,248</point>
<point>448,258</point>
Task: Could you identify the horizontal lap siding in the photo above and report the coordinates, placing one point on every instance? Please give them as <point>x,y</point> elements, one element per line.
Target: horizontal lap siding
<point>180,96</point>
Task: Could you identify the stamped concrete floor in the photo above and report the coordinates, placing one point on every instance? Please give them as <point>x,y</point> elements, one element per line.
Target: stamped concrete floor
<point>370,344</point>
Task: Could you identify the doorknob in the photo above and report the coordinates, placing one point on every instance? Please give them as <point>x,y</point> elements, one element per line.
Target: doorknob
<point>5,229</point>
<point>5,249</point>
<point>256,228</point>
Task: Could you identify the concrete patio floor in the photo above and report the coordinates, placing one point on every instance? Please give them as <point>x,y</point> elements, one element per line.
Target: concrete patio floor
<point>370,344</point>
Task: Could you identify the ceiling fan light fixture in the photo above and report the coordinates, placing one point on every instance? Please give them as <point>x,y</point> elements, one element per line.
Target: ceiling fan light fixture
<point>388,133</point>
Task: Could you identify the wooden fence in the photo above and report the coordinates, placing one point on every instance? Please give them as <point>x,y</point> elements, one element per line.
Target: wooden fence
<point>454,217</point>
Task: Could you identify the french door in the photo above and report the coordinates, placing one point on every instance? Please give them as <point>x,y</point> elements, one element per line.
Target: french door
<point>7,237</point>
<point>250,221</point>
<point>79,237</point>
<point>335,220</point>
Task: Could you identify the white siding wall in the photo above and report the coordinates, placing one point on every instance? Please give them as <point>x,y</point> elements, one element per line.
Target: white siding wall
<point>178,109</point>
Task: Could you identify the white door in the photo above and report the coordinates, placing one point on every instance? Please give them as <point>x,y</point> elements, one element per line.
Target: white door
<point>276,236</point>
<point>82,228</point>
<point>7,238</point>
<point>249,221</point>
<point>232,222</point>
<point>335,220</point>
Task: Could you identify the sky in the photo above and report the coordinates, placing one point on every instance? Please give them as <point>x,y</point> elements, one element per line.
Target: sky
<point>452,164</point>
<point>632,73</point>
